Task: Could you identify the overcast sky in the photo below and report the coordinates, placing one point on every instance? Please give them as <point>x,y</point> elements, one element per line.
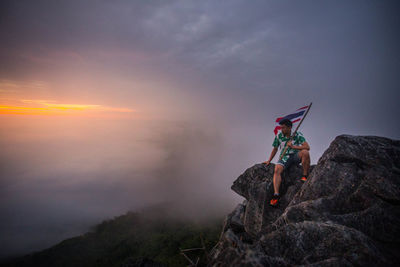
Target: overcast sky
<point>110,106</point>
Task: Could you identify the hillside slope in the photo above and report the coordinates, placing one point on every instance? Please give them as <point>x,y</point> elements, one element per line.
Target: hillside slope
<point>149,238</point>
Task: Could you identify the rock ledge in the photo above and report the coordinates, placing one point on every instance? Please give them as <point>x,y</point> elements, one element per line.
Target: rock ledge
<point>347,213</point>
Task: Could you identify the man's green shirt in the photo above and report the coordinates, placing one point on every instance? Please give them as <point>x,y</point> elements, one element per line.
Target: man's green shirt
<point>280,141</point>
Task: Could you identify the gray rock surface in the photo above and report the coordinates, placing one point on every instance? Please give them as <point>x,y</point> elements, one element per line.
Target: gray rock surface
<point>346,214</point>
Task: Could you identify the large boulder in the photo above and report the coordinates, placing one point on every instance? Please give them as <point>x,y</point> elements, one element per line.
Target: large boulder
<point>347,213</point>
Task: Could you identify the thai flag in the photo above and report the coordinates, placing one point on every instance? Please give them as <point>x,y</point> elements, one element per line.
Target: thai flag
<point>293,117</point>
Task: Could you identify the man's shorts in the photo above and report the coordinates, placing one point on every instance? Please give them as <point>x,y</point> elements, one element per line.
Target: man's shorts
<point>292,159</point>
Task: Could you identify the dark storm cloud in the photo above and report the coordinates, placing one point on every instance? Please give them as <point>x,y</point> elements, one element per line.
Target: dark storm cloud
<point>298,50</point>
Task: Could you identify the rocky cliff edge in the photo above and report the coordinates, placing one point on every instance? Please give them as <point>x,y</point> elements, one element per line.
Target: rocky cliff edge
<point>346,214</point>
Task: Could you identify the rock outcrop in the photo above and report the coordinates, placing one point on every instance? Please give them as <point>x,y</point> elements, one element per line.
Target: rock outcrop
<point>346,214</point>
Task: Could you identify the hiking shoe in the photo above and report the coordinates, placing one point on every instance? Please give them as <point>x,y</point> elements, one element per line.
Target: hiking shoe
<point>274,201</point>
<point>304,178</point>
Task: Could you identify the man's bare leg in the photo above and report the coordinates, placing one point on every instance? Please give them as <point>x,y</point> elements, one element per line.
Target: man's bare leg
<point>305,160</point>
<point>277,178</point>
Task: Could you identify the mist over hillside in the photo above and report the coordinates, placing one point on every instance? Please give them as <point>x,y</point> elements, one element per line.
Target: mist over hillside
<point>153,235</point>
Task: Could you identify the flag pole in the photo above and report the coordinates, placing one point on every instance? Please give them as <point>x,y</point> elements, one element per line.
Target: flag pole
<point>291,137</point>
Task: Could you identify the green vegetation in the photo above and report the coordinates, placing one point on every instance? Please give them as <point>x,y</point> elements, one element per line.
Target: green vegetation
<point>134,236</point>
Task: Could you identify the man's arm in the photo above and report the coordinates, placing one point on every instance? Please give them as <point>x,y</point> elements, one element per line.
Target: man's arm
<point>303,146</point>
<point>273,152</point>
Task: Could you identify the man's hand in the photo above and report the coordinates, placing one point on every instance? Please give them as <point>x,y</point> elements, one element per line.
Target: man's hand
<point>267,162</point>
<point>289,144</point>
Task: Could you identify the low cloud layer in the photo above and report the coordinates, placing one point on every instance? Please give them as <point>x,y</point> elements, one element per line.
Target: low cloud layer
<point>64,177</point>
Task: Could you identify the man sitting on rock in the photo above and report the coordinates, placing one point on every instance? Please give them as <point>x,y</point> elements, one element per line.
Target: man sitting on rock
<point>296,152</point>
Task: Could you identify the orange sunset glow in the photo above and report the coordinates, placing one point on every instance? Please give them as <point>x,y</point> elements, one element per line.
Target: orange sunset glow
<point>52,108</point>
